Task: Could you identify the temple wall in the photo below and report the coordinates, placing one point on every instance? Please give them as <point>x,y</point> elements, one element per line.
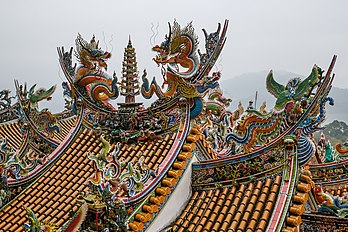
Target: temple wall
<point>177,201</point>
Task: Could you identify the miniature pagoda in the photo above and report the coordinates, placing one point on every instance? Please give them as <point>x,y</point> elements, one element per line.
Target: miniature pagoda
<point>130,80</point>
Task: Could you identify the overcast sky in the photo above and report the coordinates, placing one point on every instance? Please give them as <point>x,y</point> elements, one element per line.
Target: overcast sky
<point>262,35</point>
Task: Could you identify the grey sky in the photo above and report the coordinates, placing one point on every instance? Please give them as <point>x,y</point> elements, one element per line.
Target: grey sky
<point>279,35</point>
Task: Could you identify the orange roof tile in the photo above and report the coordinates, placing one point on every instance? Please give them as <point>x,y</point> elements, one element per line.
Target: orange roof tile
<point>58,187</point>
<point>246,207</point>
<point>12,131</point>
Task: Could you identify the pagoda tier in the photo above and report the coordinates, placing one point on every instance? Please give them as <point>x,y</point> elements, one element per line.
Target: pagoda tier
<point>130,80</point>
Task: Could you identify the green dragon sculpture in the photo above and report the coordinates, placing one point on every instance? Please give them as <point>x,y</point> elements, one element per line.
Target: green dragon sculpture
<point>109,175</point>
<point>41,94</point>
<point>294,90</point>
<point>35,225</point>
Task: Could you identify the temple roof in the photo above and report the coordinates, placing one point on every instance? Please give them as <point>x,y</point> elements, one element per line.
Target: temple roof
<point>248,170</point>
<point>230,196</point>
<point>54,193</point>
<point>62,181</point>
<point>240,208</point>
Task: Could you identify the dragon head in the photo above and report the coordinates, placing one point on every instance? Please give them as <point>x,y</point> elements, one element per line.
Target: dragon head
<point>163,49</point>
<point>178,50</point>
<point>39,95</point>
<point>5,92</point>
<point>90,55</point>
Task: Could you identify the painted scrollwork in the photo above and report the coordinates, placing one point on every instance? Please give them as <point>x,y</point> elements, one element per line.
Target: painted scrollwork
<point>109,174</point>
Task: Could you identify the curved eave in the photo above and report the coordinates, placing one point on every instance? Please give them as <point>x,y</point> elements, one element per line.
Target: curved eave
<point>320,94</point>
<point>283,202</point>
<point>145,214</point>
<point>330,174</point>
<point>53,156</point>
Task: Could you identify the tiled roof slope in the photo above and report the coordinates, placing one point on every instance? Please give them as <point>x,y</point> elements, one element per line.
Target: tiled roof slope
<point>244,207</point>
<point>152,206</point>
<point>53,195</point>
<point>12,132</point>
<point>207,152</point>
<point>153,151</point>
<point>266,200</point>
<point>65,126</point>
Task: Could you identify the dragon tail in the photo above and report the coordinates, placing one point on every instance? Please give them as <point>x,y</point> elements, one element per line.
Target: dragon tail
<point>147,91</point>
<point>75,222</point>
<point>101,90</point>
<point>196,108</point>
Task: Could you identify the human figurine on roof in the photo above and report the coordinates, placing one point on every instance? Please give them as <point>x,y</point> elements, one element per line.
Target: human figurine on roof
<point>250,106</point>
<point>209,79</point>
<point>154,123</point>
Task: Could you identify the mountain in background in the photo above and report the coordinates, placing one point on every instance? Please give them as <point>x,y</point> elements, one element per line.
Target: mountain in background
<point>335,132</point>
<point>243,88</point>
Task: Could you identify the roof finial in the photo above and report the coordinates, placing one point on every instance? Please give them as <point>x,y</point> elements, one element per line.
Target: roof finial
<point>129,42</point>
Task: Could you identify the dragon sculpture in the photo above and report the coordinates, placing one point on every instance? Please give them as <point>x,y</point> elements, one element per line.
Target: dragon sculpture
<point>47,122</point>
<point>254,129</point>
<point>41,94</point>
<point>294,90</point>
<point>91,57</point>
<point>293,100</point>
<point>90,78</point>
<point>5,99</point>
<point>108,176</point>
<point>35,225</point>
<point>329,203</point>
<point>185,69</point>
